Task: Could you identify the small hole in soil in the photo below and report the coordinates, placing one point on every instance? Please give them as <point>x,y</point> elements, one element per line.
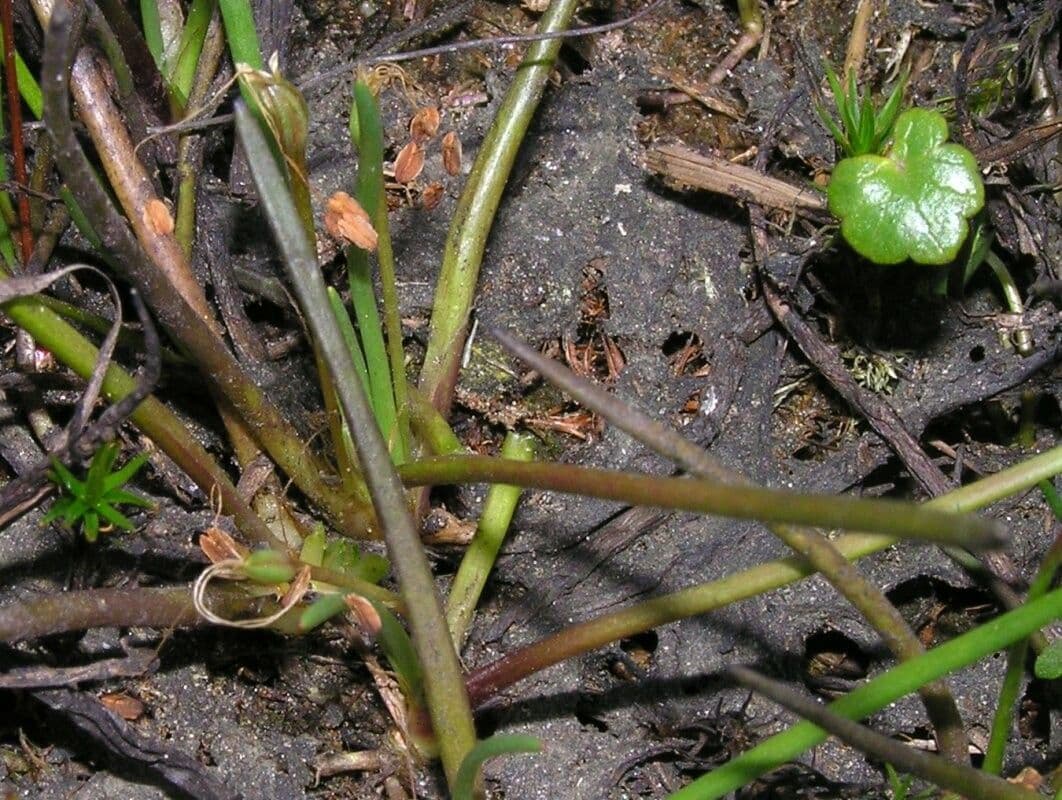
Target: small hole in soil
<point>977,354</point>
<point>1034,713</point>
<point>685,353</point>
<point>831,658</point>
<point>640,648</point>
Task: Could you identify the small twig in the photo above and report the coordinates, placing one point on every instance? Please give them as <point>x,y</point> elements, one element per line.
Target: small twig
<point>724,177</point>
<point>857,40</point>
<point>136,662</point>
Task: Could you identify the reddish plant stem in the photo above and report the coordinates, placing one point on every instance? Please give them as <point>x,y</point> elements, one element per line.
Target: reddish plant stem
<point>18,147</point>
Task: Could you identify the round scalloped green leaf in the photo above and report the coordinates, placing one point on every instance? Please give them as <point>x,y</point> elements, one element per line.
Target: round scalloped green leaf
<point>913,201</point>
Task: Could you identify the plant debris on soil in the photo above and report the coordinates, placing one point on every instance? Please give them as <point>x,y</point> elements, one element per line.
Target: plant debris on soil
<point>644,281</point>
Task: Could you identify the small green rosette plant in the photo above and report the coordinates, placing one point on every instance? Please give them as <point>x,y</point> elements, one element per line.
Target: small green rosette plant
<point>903,191</point>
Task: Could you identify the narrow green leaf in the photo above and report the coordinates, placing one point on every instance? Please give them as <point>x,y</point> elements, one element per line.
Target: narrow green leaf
<point>241,33</point>
<point>114,517</point>
<point>497,745</point>
<point>313,547</point>
<point>322,610</point>
<point>99,469</point>
<point>350,337</point>
<point>269,567</point>
<point>886,117</point>
<point>126,473</point>
<point>152,21</point>
<point>65,478</point>
<point>190,46</point>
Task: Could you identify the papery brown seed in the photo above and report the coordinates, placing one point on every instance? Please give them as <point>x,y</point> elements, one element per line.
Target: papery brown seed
<point>347,221</point>
<point>451,153</point>
<point>298,588</point>
<point>431,196</point>
<point>219,546</point>
<point>365,616</point>
<point>424,124</point>
<point>409,163</point>
<point>125,706</point>
<point>157,217</point>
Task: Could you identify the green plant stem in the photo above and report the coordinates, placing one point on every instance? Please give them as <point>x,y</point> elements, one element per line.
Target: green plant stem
<point>182,76</point>
<point>189,152</point>
<point>431,426</point>
<point>809,543</point>
<point>876,694</point>
<point>475,211</point>
<point>585,636</point>
<point>1021,337</point>
<point>709,497</point>
<point>373,198</point>
<point>152,22</point>
<point>151,416</point>
<point>241,33</point>
<point>169,607</point>
<point>1008,693</point>
<point>443,681</point>
<point>481,554</point>
<point>945,774</point>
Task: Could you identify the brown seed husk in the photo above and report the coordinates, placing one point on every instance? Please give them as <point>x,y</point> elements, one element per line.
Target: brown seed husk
<point>409,163</point>
<point>157,217</point>
<point>424,124</point>
<point>430,197</point>
<point>346,221</point>
<point>451,153</point>
<point>217,545</point>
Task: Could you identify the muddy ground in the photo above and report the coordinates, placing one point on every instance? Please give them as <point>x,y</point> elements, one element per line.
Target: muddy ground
<point>589,248</point>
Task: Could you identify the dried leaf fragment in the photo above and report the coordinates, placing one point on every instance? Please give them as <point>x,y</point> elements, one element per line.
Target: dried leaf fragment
<point>124,705</point>
<point>451,153</point>
<point>347,221</point>
<point>424,124</point>
<point>156,217</point>
<point>409,163</point>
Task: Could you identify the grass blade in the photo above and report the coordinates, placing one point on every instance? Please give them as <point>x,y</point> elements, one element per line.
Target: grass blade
<point>374,200</point>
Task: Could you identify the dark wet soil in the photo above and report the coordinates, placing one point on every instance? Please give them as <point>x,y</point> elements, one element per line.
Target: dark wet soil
<point>589,251</point>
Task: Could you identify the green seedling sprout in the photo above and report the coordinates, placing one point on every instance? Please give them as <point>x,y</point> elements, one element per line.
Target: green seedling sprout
<point>91,501</point>
<point>859,128</point>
